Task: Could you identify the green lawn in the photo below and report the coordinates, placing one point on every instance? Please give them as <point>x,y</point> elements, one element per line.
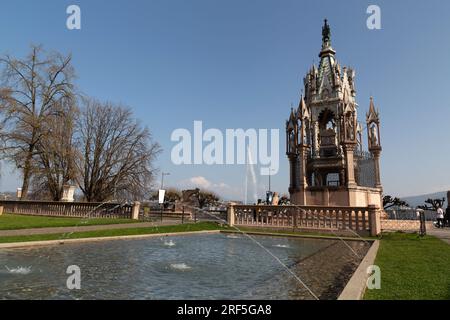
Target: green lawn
<point>202,226</point>
<point>412,268</point>
<point>13,221</point>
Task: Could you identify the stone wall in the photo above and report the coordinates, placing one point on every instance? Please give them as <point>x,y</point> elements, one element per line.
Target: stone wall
<point>402,225</point>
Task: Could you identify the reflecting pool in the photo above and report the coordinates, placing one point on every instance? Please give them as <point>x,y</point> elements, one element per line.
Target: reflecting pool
<point>205,266</point>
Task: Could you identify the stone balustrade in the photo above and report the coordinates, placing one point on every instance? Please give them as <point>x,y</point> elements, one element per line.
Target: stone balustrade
<point>71,209</point>
<point>364,220</point>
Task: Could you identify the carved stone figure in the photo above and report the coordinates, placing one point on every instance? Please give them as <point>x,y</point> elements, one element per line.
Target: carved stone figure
<point>350,127</point>
<point>373,136</point>
<point>292,142</point>
<point>275,199</point>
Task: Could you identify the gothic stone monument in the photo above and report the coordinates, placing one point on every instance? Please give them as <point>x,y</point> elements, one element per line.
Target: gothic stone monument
<point>324,139</point>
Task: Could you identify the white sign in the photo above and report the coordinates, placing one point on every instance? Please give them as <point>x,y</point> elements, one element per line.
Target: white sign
<point>161,196</point>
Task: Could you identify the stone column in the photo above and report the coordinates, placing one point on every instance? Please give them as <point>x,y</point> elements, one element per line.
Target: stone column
<point>376,155</point>
<point>316,147</point>
<point>374,220</point>
<point>349,148</point>
<point>135,210</point>
<point>302,158</point>
<point>293,161</point>
<point>230,215</point>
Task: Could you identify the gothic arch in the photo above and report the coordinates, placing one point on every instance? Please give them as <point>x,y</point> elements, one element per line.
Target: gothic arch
<point>326,118</point>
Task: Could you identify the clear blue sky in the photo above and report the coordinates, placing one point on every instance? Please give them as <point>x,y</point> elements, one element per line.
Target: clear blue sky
<point>240,64</point>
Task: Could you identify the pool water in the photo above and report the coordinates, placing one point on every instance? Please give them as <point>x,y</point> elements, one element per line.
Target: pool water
<point>205,266</point>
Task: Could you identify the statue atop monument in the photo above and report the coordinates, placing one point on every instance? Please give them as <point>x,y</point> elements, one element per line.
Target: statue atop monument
<point>326,33</point>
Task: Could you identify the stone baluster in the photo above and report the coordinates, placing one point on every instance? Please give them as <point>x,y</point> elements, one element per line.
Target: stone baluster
<point>230,215</point>
<point>374,220</point>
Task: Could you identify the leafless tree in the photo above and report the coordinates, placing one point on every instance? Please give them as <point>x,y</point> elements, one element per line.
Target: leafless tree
<point>117,153</point>
<point>56,154</point>
<point>207,198</point>
<point>31,91</point>
<point>389,202</point>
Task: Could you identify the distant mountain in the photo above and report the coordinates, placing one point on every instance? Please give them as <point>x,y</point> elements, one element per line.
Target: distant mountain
<point>415,201</point>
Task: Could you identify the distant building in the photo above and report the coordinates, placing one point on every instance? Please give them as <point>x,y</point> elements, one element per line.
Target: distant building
<point>324,140</point>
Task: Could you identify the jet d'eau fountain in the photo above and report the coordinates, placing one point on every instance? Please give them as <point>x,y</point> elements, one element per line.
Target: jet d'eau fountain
<point>250,171</point>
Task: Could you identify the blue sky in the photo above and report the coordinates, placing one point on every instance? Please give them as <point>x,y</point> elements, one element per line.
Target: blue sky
<point>240,64</point>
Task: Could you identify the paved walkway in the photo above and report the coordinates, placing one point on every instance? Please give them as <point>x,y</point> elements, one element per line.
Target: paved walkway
<point>443,234</point>
<point>27,232</point>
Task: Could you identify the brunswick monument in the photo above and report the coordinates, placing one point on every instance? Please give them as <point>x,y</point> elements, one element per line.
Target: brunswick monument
<point>324,140</point>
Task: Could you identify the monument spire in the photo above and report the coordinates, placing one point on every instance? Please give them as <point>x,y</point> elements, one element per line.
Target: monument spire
<point>326,40</point>
<point>326,33</point>
<point>372,115</point>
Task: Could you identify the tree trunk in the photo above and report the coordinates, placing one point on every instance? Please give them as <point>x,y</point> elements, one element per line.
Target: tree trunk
<point>26,177</point>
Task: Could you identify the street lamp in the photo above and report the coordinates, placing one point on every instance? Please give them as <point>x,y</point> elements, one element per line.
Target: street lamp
<point>162,186</point>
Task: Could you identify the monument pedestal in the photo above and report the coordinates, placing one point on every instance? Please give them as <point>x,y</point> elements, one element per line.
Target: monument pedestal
<point>338,196</point>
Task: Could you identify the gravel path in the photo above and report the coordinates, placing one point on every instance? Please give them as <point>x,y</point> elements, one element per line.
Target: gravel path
<point>443,234</point>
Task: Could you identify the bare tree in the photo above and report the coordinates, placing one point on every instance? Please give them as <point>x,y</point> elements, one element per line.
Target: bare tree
<point>30,90</point>
<point>56,154</point>
<point>117,153</point>
<point>389,202</point>
<point>433,204</point>
<point>207,198</point>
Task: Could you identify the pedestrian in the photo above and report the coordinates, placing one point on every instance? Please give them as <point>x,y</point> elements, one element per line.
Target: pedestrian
<point>440,217</point>
<point>447,217</point>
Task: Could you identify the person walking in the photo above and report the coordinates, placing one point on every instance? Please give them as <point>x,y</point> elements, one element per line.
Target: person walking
<point>447,218</point>
<point>440,217</point>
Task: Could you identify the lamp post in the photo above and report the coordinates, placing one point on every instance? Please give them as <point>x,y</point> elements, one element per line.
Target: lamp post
<point>162,186</point>
<point>421,215</point>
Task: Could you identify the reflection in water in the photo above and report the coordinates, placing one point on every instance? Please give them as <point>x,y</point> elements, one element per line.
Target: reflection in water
<point>215,267</point>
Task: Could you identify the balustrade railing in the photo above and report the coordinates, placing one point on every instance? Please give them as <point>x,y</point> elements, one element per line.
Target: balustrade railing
<point>68,209</point>
<point>303,217</point>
